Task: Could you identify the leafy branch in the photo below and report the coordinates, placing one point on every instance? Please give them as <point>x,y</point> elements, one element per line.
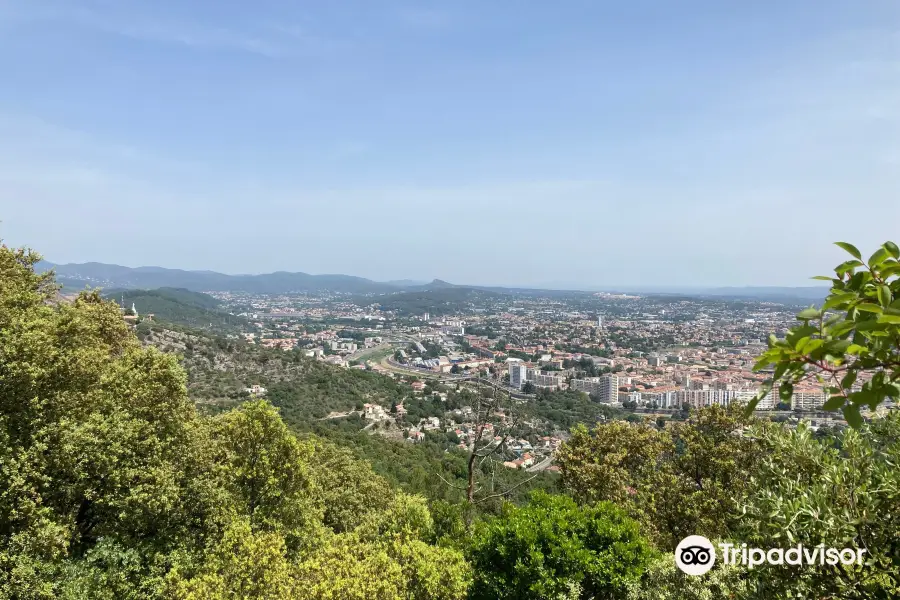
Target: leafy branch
<point>851,344</point>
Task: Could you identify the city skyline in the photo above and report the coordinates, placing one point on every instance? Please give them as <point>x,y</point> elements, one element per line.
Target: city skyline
<point>581,145</point>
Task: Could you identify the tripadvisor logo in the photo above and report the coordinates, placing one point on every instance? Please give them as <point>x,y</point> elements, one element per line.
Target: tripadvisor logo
<point>695,555</point>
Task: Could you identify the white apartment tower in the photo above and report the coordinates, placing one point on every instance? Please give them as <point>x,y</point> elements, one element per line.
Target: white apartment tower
<point>609,388</point>
<point>606,388</point>
<point>518,374</point>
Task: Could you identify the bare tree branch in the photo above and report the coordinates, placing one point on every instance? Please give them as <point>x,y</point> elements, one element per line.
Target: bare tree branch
<point>461,488</point>
<point>507,492</point>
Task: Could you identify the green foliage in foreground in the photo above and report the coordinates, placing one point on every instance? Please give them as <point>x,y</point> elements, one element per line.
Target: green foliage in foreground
<point>113,486</point>
<point>843,493</point>
<point>762,484</point>
<point>678,481</point>
<point>855,332</point>
<point>552,548</point>
<point>664,581</point>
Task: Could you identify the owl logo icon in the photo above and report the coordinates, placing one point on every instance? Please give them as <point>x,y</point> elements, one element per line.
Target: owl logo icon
<point>695,555</point>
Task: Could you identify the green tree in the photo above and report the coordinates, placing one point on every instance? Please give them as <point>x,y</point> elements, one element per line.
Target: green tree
<point>813,491</point>
<point>664,581</point>
<point>609,461</point>
<point>386,557</point>
<point>678,481</point>
<point>98,443</point>
<point>243,564</point>
<point>266,469</point>
<point>553,548</point>
<point>851,344</point>
<point>350,568</point>
<point>346,487</point>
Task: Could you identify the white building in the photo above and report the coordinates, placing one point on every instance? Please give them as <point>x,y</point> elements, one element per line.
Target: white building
<point>605,387</point>
<point>590,385</point>
<point>547,379</point>
<point>518,374</point>
<point>807,399</point>
<point>663,399</point>
<point>702,398</point>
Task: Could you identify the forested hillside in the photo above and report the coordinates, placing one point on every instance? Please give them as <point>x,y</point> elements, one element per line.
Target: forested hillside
<point>180,307</point>
<point>306,391</point>
<point>436,301</point>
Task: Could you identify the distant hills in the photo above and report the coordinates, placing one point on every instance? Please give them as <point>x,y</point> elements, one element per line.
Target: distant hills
<point>438,299</point>
<point>115,276</point>
<point>181,307</point>
<point>78,276</point>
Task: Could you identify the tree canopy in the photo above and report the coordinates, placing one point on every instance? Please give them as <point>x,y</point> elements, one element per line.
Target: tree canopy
<point>554,548</point>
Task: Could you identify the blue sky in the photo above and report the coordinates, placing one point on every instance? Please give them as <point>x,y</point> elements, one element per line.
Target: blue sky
<point>577,142</point>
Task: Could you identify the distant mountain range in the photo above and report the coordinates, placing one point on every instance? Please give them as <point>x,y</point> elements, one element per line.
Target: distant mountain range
<point>115,276</point>
<point>108,276</point>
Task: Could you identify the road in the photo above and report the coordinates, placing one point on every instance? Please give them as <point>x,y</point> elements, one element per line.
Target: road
<point>541,465</point>
<point>363,353</point>
<point>389,364</point>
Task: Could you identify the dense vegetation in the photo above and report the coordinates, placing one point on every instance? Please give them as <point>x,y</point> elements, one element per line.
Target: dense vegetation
<point>114,485</point>
<point>437,302</point>
<point>562,410</point>
<point>180,307</point>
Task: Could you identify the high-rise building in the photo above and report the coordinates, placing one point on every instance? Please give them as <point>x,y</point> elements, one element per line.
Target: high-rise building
<point>662,398</point>
<point>609,388</point>
<point>591,385</point>
<point>605,388</point>
<point>546,379</point>
<point>518,374</point>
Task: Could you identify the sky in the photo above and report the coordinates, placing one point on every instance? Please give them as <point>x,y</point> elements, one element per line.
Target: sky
<point>584,143</point>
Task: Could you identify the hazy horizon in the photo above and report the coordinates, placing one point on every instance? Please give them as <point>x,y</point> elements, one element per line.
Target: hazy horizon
<point>550,286</point>
<point>570,144</point>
